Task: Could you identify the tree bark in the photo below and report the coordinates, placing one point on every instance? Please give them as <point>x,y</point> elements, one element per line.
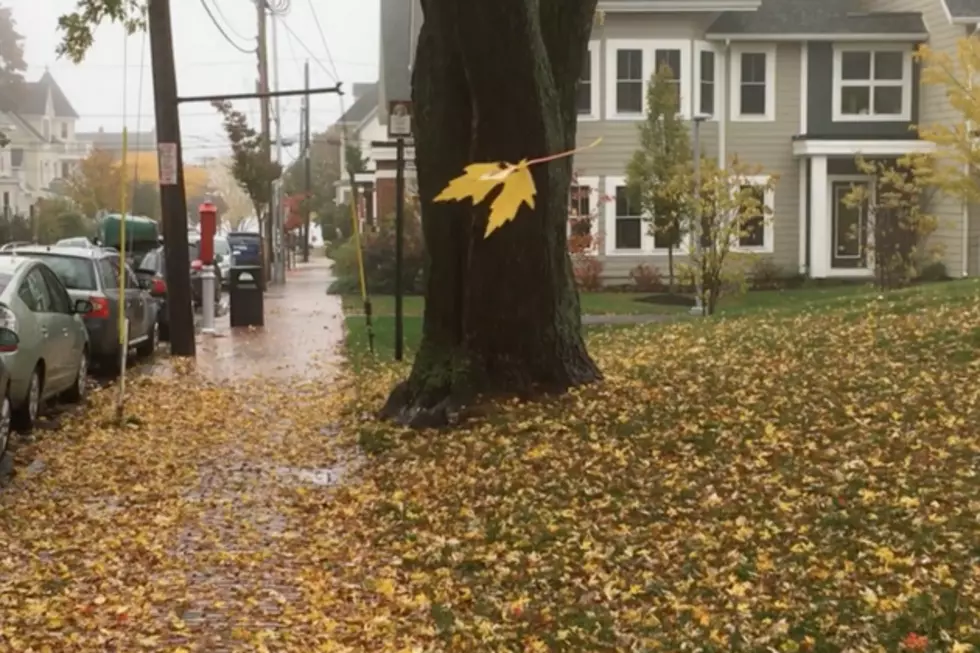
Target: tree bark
<point>495,80</point>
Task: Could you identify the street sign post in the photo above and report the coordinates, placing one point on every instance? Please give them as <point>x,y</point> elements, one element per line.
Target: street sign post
<point>399,128</point>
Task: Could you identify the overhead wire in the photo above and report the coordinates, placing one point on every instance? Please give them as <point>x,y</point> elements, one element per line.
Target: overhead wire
<point>214,20</point>
<point>355,222</point>
<point>217,8</point>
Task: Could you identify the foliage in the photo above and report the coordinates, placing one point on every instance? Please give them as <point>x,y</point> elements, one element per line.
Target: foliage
<point>57,219</point>
<point>12,62</point>
<point>144,199</point>
<point>765,274</point>
<point>354,157</point>
<point>96,184</point>
<point>16,227</point>
<point>899,221</point>
<point>664,152</point>
<point>143,167</point>
<point>78,27</point>
<point>251,165</point>
<point>588,273</point>
<point>646,278</point>
<point>956,161</point>
<point>378,249</point>
<point>728,198</point>
<point>237,205</point>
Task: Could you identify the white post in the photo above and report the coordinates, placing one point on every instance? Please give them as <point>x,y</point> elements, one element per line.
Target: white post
<point>820,219</point>
<point>207,299</point>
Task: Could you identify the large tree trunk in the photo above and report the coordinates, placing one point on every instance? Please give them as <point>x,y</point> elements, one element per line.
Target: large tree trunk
<point>495,80</point>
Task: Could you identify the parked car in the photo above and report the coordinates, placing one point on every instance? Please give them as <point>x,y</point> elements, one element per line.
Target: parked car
<point>223,258</point>
<point>43,340</point>
<point>14,245</point>
<point>93,274</point>
<point>4,404</point>
<point>152,272</point>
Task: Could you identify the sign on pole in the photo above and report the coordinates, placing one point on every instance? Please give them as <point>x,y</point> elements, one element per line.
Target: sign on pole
<point>399,119</point>
<point>167,154</point>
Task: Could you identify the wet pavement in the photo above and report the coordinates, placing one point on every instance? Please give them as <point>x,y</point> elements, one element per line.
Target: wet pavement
<point>302,335</point>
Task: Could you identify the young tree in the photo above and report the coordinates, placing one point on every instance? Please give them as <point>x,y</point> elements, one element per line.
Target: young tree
<point>57,219</point>
<point>96,183</point>
<point>729,206</point>
<point>251,166</point>
<point>12,63</point>
<point>665,149</point>
<point>493,80</point>
<point>899,221</point>
<point>354,158</point>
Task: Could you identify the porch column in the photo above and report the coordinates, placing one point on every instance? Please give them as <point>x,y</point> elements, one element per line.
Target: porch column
<point>819,219</point>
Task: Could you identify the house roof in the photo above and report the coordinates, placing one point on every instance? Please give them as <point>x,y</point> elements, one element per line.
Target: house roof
<point>966,11</point>
<point>794,18</point>
<point>113,141</point>
<point>363,103</point>
<point>32,98</point>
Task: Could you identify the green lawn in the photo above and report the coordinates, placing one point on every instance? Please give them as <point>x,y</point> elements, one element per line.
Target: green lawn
<point>808,299</point>
<point>800,478</point>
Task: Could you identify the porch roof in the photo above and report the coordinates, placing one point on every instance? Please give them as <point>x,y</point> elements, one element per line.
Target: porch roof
<point>803,147</point>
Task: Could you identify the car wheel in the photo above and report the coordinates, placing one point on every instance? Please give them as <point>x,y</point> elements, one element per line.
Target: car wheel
<point>149,347</point>
<point>5,421</point>
<point>76,392</point>
<point>26,416</point>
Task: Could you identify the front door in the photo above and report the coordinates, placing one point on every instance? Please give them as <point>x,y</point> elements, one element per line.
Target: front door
<point>849,227</point>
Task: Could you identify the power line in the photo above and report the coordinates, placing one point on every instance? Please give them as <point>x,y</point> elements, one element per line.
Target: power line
<point>323,39</point>
<point>333,76</point>
<point>217,8</point>
<point>214,20</point>
<point>62,65</point>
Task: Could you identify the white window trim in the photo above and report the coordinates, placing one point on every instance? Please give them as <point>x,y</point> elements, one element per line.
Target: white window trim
<point>594,194</point>
<point>769,206</point>
<point>648,47</point>
<point>702,46</point>
<point>905,84</point>
<point>735,63</point>
<point>594,114</point>
<point>609,246</point>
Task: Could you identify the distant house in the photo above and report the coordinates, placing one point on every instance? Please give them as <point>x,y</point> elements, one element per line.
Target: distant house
<point>113,141</point>
<point>39,122</point>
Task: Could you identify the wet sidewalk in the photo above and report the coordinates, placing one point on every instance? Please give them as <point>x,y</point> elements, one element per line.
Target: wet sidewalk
<point>302,336</point>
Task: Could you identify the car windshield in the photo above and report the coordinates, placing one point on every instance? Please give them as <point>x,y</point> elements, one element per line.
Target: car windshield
<point>76,273</point>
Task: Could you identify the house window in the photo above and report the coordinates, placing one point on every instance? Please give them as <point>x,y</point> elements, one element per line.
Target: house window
<point>671,61</point>
<point>752,226</point>
<point>581,201</point>
<point>754,84</point>
<point>629,81</point>
<point>64,130</point>
<point>707,82</point>
<point>872,84</point>
<point>585,86</point>
<point>629,221</point>
<point>755,225</point>
<point>582,205</point>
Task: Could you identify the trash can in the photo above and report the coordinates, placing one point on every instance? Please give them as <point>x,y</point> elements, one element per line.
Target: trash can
<point>245,296</point>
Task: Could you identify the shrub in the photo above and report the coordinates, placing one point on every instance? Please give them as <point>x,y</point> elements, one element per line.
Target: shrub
<point>646,278</point>
<point>588,273</point>
<point>935,271</point>
<point>765,274</point>
<point>378,249</point>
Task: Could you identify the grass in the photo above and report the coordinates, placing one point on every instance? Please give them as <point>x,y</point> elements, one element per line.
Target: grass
<point>801,478</point>
<point>807,299</point>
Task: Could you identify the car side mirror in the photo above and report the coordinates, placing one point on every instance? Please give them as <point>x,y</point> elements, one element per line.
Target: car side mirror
<point>145,283</point>
<point>83,306</point>
<point>218,258</point>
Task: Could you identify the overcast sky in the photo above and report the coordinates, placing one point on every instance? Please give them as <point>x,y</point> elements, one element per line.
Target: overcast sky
<point>206,63</point>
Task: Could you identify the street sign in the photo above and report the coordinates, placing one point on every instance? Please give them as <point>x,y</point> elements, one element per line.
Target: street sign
<point>167,154</point>
<point>399,119</point>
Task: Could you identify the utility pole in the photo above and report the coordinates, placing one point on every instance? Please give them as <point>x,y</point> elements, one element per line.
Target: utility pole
<point>172,200</point>
<point>260,6</point>
<point>309,164</point>
<point>278,246</point>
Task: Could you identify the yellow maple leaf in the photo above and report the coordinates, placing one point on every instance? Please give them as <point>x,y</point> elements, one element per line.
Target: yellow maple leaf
<point>478,179</point>
<point>476,182</point>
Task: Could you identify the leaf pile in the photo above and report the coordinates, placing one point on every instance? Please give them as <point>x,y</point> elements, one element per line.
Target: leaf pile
<point>794,482</point>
